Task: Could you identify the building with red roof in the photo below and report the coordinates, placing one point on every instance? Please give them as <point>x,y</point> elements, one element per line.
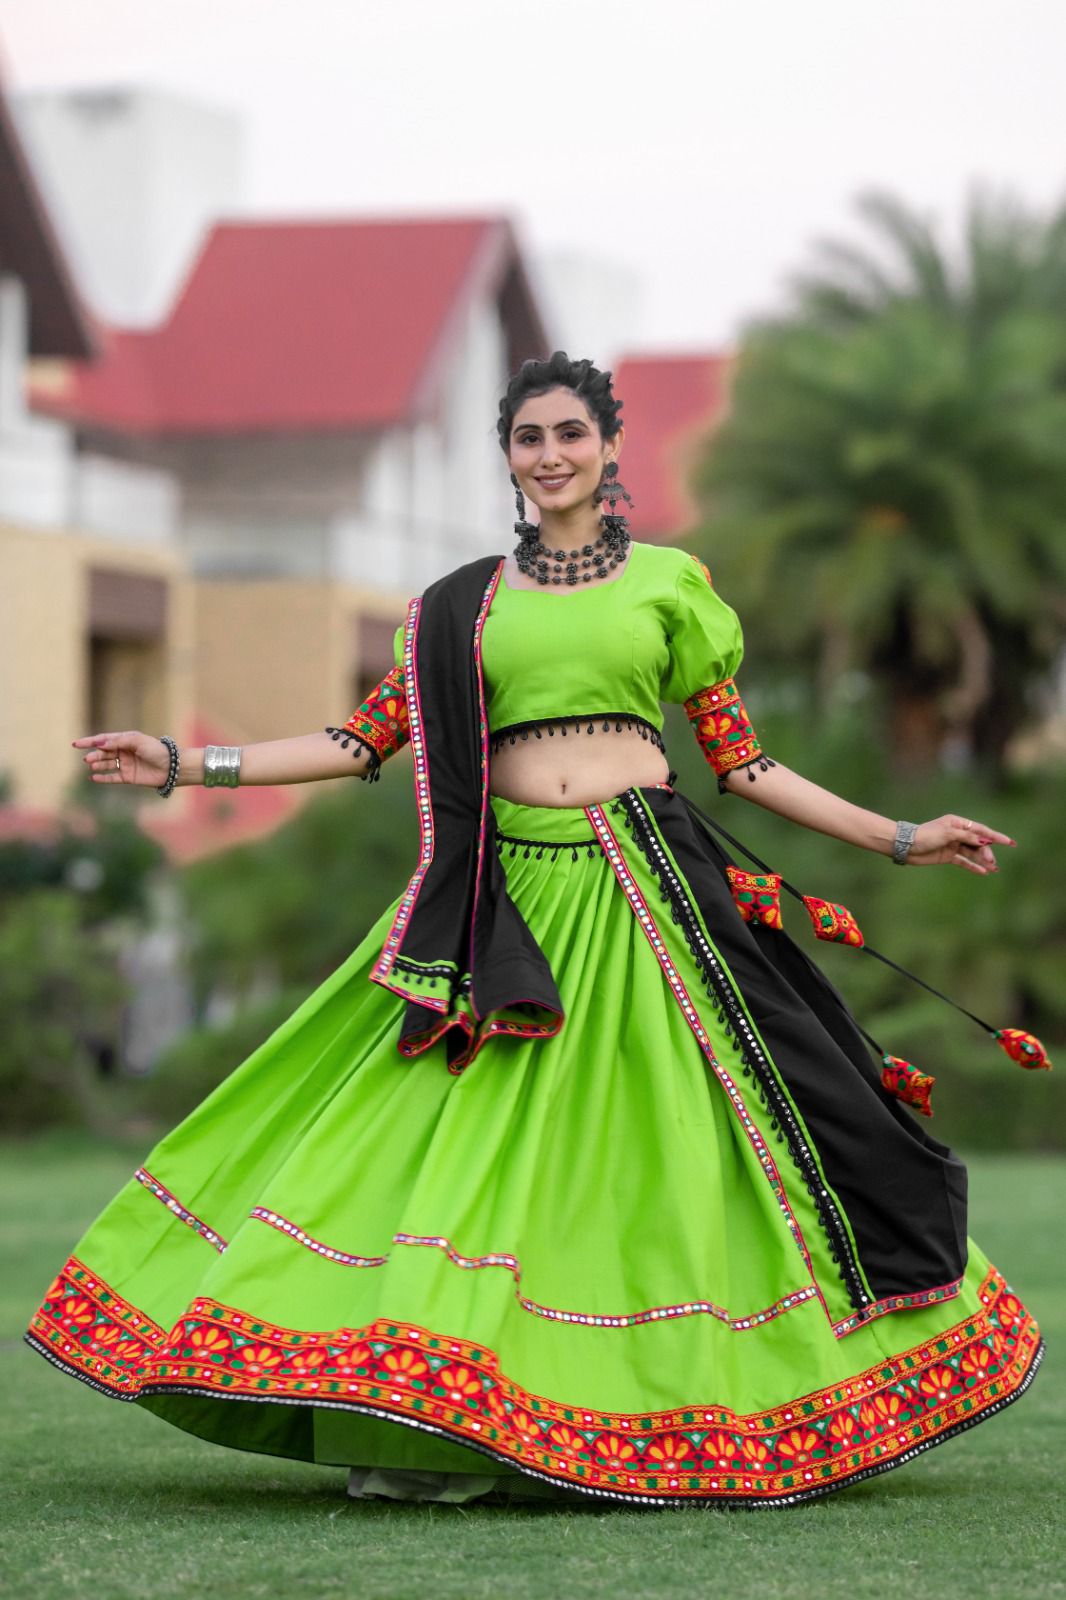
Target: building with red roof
<point>320,398</point>
<point>91,595</point>
<point>318,393</point>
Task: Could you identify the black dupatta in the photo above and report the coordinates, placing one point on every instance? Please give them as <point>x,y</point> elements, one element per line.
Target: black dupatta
<point>458,950</point>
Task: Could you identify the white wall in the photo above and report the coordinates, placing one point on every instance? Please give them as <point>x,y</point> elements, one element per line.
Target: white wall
<point>44,482</point>
<point>35,456</point>
<point>436,494</point>
<point>123,501</point>
<point>133,178</point>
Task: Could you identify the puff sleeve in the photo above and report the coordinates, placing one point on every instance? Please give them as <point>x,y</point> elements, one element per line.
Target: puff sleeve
<point>379,726</point>
<point>706,649</point>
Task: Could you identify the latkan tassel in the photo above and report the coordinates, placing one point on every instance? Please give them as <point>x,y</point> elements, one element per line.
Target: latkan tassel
<point>903,1079</point>
<point>757,895</point>
<point>1024,1048</point>
<point>833,922</point>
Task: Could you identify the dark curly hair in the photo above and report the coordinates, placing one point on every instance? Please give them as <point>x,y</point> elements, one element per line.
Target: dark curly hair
<point>559,372</point>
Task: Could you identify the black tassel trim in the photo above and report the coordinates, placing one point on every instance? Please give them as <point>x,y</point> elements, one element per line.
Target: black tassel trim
<point>346,737</point>
<point>738,1030</point>
<point>590,722</point>
<point>554,847</point>
<point>431,976</point>
<point>764,763</point>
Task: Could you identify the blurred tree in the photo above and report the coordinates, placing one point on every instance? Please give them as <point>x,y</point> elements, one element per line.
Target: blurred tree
<point>287,909</point>
<point>888,492</point>
<point>60,1000</point>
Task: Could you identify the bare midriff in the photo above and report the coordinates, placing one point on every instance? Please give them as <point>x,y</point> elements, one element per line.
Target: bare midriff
<point>582,769</point>
<point>577,771</point>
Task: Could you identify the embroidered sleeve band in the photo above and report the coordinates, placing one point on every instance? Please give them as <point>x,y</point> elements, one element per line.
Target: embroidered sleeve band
<point>724,732</point>
<point>379,726</point>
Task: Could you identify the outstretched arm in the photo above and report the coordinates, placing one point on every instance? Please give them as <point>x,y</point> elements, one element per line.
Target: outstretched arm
<point>731,747</point>
<point>373,732</point>
<point>141,759</point>
<point>947,840</point>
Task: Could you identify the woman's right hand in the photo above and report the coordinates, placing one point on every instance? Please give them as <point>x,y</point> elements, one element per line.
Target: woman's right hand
<point>133,757</point>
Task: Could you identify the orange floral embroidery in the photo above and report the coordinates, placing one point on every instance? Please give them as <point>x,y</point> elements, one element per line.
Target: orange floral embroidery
<point>938,1382</point>
<point>258,1358</point>
<point>617,1455</point>
<point>566,1438</point>
<point>405,1366</point>
<point>672,1451</point>
<point>722,727</point>
<point>720,1448</point>
<point>208,1341</point>
<point>523,1425</point>
<point>455,1388</point>
<point>459,1384</point>
<point>977,1360</point>
<point>308,1361</point>
<point>844,1429</point>
<point>889,1408</point>
<point>80,1313</point>
<point>798,1445</point>
<point>352,1357</point>
<point>381,721</point>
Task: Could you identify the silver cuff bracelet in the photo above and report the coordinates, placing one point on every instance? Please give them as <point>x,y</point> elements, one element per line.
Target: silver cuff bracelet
<point>222,766</point>
<point>905,832</point>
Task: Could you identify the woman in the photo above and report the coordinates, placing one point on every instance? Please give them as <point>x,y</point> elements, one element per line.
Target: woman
<point>594,1188</point>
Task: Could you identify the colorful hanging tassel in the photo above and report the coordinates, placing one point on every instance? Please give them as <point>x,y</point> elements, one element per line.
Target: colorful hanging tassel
<point>836,924</point>
<point>903,1079</point>
<point>757,896</point>
<point>833,922</point>
<point>1024,1048</point>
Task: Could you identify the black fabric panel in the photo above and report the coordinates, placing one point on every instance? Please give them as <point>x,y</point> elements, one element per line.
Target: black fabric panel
<point>904,1192</point>
<point>506,964</point>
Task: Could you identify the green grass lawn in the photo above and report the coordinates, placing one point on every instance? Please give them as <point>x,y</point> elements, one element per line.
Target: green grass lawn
<point>104,1500</point>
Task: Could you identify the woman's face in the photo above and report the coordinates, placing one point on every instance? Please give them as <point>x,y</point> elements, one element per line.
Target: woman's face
<point>556,451</point>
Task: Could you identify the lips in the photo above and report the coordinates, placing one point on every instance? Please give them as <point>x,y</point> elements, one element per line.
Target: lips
<point>555,483</point>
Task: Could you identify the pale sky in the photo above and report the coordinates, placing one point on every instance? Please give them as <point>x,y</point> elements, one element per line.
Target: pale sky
<point>706,145</point>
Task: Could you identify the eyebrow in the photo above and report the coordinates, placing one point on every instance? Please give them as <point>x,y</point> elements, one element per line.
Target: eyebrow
<point>569,423</point>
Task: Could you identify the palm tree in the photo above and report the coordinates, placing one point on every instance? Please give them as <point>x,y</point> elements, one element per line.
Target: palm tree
<point>890,485</point>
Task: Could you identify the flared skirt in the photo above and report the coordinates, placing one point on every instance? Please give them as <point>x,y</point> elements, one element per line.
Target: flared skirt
<point>687,1250</point>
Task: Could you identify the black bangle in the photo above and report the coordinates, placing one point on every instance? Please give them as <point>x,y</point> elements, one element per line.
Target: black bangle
<point>175,763</point>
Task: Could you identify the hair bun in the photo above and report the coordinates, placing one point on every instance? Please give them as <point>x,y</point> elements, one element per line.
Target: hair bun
<point>534,377</point>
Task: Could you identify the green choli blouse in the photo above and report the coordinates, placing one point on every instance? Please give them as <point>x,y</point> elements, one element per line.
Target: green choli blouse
<point>659,633</point>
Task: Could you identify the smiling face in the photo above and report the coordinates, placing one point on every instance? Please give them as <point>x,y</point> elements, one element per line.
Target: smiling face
<point>556,451</point>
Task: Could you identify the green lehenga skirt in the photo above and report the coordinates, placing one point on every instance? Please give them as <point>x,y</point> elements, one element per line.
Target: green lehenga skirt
<point>583,1264</point>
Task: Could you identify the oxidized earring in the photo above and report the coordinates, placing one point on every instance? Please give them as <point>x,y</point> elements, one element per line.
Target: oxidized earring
<point>610,488</point>
<point>615,524</point>
<point>525,530</point>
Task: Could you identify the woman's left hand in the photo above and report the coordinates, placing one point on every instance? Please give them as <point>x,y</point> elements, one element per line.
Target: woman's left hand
<point>956,841</point>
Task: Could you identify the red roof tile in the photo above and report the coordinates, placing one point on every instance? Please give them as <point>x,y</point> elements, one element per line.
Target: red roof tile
<point>670,405</point>
<point>293,327</point>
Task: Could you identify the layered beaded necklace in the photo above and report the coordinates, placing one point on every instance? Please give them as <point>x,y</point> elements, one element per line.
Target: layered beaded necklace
<point>576,566</point>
